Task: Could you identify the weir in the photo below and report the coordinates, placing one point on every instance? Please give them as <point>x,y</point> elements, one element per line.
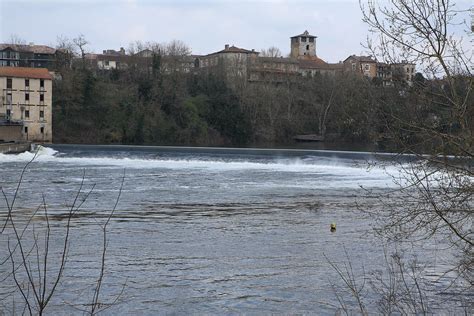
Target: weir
<point>14,148</point>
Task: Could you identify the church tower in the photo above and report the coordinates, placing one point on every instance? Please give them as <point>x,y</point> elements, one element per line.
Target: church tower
<point>303,45</point>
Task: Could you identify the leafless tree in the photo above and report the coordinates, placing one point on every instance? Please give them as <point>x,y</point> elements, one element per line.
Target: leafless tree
<point>66,44</point>
<point>352,282</point>
<point>66,50</point>
<point>432,128</point>
<point>441,175</point>
<point>177,48</point>
<point>34,271</point>
<point>81,43</point>
<point>15,39</point>
<point>271,52</point>
<point>396,287</point>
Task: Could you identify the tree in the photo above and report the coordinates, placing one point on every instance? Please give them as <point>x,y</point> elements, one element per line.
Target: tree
<point>271,52</point>
<point>15,39</point>
<point>433,122</point>
<point>37,264</point>
<point>420,30</point>
<point>81,43</point>
<point>65,51</point>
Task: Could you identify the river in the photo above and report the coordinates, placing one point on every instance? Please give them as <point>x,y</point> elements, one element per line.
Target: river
<point>206,230</point>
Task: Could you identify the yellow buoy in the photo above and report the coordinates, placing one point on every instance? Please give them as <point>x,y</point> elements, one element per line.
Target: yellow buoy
<point>333,227</point>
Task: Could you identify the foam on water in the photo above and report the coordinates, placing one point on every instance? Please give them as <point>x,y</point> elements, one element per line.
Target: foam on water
<point>45,154</point>
<point>42,154</point>
<point>342,172</point>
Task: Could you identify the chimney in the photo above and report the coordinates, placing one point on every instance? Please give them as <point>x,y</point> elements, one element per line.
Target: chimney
<point>226,46</point>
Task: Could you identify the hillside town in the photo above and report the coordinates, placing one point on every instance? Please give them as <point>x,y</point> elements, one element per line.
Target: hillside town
<point>253,168</point>
<point>27,71</point>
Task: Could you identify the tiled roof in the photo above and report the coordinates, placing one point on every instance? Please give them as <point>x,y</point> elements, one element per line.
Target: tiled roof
<point>312,63</point>
<point>304,34</point>
<point>37,49</point>
<point>234,49</point>
<point>364,59</point>
<point>277,60</point>
<point>25,72</point>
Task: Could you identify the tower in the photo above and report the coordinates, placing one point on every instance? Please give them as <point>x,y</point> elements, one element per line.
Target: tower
<point>303,45</point>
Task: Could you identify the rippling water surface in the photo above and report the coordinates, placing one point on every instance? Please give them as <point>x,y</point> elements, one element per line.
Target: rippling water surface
<point>202,230</point>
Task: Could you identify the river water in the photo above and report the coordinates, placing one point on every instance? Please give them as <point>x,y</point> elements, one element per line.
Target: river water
<point>219,231</point>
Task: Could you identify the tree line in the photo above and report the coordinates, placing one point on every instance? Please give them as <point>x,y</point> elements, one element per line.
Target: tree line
<point>157,103</point>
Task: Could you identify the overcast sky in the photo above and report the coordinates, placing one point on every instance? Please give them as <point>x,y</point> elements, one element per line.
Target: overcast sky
<point>204,25</point>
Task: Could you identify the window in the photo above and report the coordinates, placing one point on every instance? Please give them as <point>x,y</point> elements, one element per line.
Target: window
<point>353,66</point>
<point>27,83</point>
<point>307,47</point>
<point>311,39</point>
<point>9,83</point>
<point>9,112</point>
<point>26,129</point>
<point>42,130</point>
<point>106,63</point>
<point>41,97</point>
<point>9,98</point>
<point>367,67</point>
<point>27,96</point>
<point>303,39</point>
<point>41,83</point>
<point>41,114</point>
<point>27,113</point>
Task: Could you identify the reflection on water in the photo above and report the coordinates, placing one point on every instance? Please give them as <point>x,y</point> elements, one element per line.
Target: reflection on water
<point>205,231</point>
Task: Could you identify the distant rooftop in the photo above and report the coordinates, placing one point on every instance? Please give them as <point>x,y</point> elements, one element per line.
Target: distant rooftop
<point>304,34</point>
<point>234,49</point>
<point>367,59</point>
<point>37,49</point>
<point>312,63</point>
<point>25,72</point>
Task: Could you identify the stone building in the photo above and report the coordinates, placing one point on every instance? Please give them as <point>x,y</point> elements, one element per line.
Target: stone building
<point>386,73</point>
<point>26,101</point>
<point>36,56</point>
<point>403,71</point>
<point>364,65</point>
<point>303,48</point>
<point>316,66</point>
<point>243,63</point>
<point>233,61</point>
<point>120,60</point>
<point>303,45</point>
<point>273,69</point>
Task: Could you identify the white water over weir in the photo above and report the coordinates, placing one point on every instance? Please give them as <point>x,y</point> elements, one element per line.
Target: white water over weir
<point>208,231</point>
